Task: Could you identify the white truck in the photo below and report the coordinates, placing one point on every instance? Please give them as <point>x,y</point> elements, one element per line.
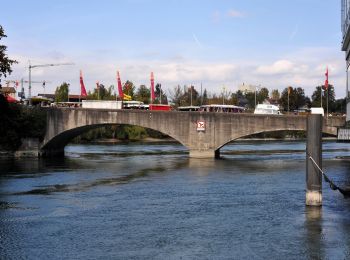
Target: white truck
<point>267,109</point>
<point>317,110</point>
<point>102,104</point>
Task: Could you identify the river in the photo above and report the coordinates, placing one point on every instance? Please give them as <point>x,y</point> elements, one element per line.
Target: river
<point>150,201</point>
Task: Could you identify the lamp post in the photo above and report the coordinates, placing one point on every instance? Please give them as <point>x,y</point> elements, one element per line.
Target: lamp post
<point>160,93</point>
<point>255,98</point>
<point>223,95</point>
<point>255,93</point>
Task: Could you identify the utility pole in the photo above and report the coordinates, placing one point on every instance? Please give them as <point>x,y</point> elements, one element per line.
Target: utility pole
<point>327,101</point>
<point>30,67</point>
<point>26,81</point>
<point>201,95</point>
<point>255,98</point>
<point>160,93</point>
<point>255,93</point>
<point>223,95</point>
<point>191,94</point>
<point>288,91</point>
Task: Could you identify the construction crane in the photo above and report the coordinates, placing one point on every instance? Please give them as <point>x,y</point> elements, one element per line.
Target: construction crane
<point>30,67</point>
<point>16,82</point>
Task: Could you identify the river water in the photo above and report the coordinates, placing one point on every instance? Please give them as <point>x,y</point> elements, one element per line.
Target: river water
<point>150,201</point>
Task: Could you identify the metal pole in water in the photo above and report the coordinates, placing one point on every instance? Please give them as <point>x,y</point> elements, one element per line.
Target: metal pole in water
<point>314,150</point>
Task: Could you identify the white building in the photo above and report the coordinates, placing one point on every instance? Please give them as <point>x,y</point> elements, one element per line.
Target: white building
<point>247,88</point>
<point>345,22</point>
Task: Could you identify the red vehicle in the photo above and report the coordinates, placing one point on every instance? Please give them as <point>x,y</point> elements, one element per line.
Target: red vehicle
<point>159,107</point>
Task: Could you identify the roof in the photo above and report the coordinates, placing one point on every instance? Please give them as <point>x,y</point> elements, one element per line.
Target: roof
<point>70,96</point>
<point>7,90</point>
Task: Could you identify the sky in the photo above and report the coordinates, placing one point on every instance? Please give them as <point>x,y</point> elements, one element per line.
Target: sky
<point>220,44</point>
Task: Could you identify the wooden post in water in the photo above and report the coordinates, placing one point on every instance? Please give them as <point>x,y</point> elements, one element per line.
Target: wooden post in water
<point>314,149</point>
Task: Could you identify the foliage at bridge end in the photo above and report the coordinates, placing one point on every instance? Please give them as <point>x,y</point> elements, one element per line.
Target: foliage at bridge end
<point>5,61</point>
<point>119,132</point>
<point>61,93</point>
<point>19,122</point>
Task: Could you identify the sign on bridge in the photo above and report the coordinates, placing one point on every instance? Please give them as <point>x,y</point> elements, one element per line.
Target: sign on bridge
<point>200,126</point>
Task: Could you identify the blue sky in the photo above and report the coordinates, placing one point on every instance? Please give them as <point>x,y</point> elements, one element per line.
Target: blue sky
<point>217,43</point>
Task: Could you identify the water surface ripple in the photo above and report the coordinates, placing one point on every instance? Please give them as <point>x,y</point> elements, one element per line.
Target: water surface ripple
<point>145,201</point>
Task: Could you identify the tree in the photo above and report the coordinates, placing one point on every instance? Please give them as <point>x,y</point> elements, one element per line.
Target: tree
<point>161,97</point>
<point>143,94</point>
<point>204,98</point>
<point>275,94</point>
<point>250,98</point>
<point>101,93</point>
<point>176,96</point>
<point>129,88</point>
<point>61,93</point>
<point>339,106</point>
<point>297,99</point>
<point>234,99</point>
<point>5,62</point>
<point>316,97</point>
<point>262,95</point>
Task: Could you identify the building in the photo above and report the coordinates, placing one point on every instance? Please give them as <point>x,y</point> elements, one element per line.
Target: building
<point>8,91</point>
<point>345,22</point>
<point>247,88</point>
<point>71,98</point>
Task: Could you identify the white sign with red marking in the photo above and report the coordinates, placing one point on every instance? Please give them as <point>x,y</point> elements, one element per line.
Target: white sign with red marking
<point>200,126</point>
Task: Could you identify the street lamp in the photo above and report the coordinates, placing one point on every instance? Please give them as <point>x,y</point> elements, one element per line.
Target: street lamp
<point>223,95</point>
<point>255,93</point>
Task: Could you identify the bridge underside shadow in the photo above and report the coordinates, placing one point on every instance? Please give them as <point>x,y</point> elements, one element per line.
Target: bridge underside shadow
<point>279,135</point>
<point>56,146</point>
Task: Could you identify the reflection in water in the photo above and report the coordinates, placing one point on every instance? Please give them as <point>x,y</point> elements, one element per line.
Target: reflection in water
<point>154,202</point>
<point>314,234</point>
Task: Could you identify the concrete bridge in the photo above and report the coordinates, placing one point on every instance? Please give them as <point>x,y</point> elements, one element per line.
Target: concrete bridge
<point>203,133</point>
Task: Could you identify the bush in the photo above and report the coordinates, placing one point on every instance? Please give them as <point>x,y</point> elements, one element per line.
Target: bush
<point>19,122</point>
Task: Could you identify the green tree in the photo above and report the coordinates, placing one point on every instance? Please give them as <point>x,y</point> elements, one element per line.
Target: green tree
<point>275,94</point>
<point>61,93</point>
<point>339,106</point>
<point>262,95</point>
<point>102,93</point>
<point>5,61</point>
<point>129,88</point>
<point>161,97</point>
<point>204,98</point>
<point>297,98</point>
<point>176,95</point>
<point>250,98</point>
<point>143,94</point>
<point>234,100</point>
<point>316,97</point>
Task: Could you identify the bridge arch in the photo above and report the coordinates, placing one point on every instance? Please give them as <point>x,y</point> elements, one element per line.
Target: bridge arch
<point>57,144</point>
<point>327,130</point>
<point>65,124</point>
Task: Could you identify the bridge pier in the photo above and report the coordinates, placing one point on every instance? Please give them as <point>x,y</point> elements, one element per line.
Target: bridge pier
<point>202,154</point>
<point>314,150</point>
<point>51,153</point>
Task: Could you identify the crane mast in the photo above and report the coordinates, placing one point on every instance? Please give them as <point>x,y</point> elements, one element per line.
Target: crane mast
<point>30,67</point>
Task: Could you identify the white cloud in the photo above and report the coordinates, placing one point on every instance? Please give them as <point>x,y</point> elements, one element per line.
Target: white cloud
<point>235,14</point>
<point>277,68</point>
<point>304,68</point>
